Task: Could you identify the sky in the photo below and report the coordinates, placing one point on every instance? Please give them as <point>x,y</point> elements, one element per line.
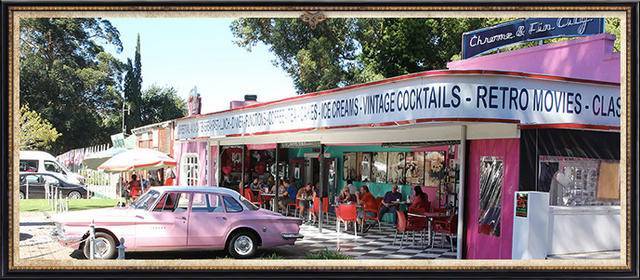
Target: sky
<point>184,53</point>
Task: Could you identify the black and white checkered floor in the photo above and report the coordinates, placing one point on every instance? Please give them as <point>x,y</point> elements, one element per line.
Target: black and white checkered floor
<point>374,244</point>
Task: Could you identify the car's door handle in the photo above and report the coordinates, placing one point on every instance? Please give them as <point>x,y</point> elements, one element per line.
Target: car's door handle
<point>223,218</point>
<point>139,217</point>
<point>182,218</point>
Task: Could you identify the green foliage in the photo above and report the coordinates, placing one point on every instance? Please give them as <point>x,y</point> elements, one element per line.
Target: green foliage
<point>612,26</point>
<point>68,78</point>
<point>340,51</point>
<point>343,51</point>
<point>161,104</point>
<point>133,90</point>
<point>36,133</point>
<point>327,254</point>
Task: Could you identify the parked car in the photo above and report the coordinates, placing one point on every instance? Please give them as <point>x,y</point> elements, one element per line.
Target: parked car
<point>178,219</point>
<point>36,185</point>
<point>43,162</point>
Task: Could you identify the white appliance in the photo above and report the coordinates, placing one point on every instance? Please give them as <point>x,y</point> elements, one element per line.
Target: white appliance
<point>530,225</point>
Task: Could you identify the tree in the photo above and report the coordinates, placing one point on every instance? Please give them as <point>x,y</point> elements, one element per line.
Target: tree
<point>162,104</point>
<point>316,59</point>
<point>342,51</point>
<point>133,89</point>
<point>36,133</point>
<point>68,78</point>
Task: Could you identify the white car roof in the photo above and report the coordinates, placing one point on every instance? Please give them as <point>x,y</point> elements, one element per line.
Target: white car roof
<point>209,189</point>
<point>36,155</point>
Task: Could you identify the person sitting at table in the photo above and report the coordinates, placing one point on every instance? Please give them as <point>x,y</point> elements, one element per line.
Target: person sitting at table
<point>283,195</point>
<point>346,197</point>
<point>305,196</point>
<point>420,204</point>
<point>255,186</point>
<point>368,202</point>
<point>390,203</point>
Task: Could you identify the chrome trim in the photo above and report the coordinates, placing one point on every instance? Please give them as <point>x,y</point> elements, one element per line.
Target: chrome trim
<point>289,236</point>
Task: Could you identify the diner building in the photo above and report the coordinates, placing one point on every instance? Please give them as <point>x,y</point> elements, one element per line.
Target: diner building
<point>542,119</point>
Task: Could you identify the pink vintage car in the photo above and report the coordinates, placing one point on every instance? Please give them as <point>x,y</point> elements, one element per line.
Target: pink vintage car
<point>180,218</point>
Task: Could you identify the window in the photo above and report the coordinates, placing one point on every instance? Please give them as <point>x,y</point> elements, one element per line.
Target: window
<point>167,203</point>
<point>215,204</point>
<point>52,167</point>
<point>491,181</point>
<point>183,202</point>
<point>50,179</point>
<point>206,203</point>
<point>200,203</point>
<point>189,169</point>
<point>31,179</point>
<point>573,181</point>
<point>248,204</point>
<point>146,200</point>
<point>28,165</point>
<point>231,205</point>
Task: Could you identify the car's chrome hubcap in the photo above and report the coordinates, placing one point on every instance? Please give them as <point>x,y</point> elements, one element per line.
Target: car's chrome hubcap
<point>21,196</point>
<point>243,245</point>
<point>74,195</point>
<point>102,247</point>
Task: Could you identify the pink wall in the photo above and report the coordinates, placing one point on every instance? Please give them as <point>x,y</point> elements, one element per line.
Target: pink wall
<point>199,148</point>
<point>589,58</point>
<point>481,246</point>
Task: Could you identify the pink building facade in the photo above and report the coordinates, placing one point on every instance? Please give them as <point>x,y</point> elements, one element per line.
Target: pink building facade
<point>589,58</point>
<point>435,106</point>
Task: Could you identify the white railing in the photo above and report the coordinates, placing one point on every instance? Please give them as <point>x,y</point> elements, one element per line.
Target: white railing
<point>103,191</point>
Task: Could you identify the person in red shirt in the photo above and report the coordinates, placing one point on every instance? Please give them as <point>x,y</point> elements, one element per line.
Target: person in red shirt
<point>134,187</point>
<point>169,180</point>
<point>420,203</point>
<point>368,202</point>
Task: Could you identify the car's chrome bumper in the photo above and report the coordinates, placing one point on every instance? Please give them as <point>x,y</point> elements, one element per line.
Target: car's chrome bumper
<point>68,241</point>
<point>290,236</point>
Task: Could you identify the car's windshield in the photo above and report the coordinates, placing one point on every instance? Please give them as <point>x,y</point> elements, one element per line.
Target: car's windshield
<point>248,204</point>
<point>146,200</point>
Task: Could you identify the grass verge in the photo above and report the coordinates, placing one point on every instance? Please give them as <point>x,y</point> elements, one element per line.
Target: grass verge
<point>327,254</point>
<point>29,205</point>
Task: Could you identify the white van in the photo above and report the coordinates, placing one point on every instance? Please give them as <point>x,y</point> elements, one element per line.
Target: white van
<point>43,162</point>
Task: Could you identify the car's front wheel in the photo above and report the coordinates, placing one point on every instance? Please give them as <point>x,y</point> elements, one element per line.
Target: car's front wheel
<point>243,245</point>
<point>105,247</point>
<point>21,195</point>
<point>74,195</point>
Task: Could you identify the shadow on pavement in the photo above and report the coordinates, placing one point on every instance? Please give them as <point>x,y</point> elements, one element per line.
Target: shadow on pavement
<point>25,236</point>
<point>276,253</point>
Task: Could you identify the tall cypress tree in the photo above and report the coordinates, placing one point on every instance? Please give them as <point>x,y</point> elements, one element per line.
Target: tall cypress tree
<point>133,90</point>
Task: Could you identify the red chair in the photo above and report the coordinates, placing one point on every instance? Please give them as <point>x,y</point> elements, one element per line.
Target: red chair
<point>412,224</point>
<point>248,194</point>
<point>375,211</point>
<point>295,208</point>
<point>346,213</point>
<point>325,207</point>
<point>446,227</point>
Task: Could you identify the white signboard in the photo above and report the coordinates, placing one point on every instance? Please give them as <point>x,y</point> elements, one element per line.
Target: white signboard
<point>449,97</point>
